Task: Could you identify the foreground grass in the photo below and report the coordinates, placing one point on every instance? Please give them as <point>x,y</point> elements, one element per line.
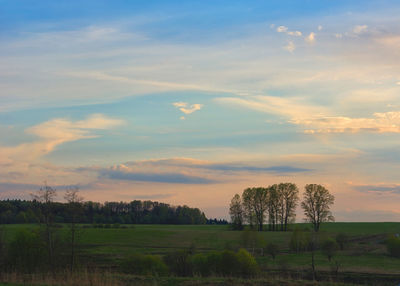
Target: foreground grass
<point>106,246</point>
<point>128,280</point>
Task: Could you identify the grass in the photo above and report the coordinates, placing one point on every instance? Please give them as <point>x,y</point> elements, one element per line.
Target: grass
<point>125,280</point>
<point>365,254</point>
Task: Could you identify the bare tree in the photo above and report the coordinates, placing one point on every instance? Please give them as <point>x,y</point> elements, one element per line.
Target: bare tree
<point>316,205</point>
<point>236,212</point>
<point>46,195</point>
<point>74,207</point>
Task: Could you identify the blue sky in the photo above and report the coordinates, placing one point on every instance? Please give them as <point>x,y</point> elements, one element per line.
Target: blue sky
<point>190,102</point>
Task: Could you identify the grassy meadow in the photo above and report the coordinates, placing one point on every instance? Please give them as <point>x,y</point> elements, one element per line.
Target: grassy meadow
<point>365,253</point>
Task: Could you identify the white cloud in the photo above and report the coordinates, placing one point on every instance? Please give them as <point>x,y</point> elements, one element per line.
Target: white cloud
<point>338,35</point>
<point>289,107</point>
<point>25,162</point>
<point>311,38</point>
<point>186,108</point>
<point>387,122</point>
<point>295,33</point>
<point>320,28</point>
<point>315,118</point>
<point>360,29</point>
<point>55,132</point>
<point>282,29</point>
<point>290,46</point>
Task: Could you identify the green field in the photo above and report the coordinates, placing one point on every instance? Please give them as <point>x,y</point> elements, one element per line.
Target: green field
<point>365,254</point>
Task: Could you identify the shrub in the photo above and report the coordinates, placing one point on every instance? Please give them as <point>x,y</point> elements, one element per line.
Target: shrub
<point>144,265</point>
<point>200,265</point>
<point>393,246</point>
<point>26,251</point>
<point>272,249</point>
<point>179,262</point>
<point>329,248</point>
<point>247,263</point>
<point>342,239</point>
<point>299,240</point>
<point>229,264</point>
<point>219,263</point>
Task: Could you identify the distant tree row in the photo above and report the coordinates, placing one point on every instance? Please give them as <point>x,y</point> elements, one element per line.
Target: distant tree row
<point>277,203</point>
<point>135,212</point>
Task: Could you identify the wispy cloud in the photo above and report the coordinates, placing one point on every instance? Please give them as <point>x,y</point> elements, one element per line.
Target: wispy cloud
<point>187,108</point>
<point>387,122</point>
<point>289,107</point>
<point>311,38</point>
<point>53,133</point>
<point>177,178</point>
<point>290,47</point>
<point>316,119</point>
<point>284,29</point>
<point>367,215</point>
<point>294,33</point>
<point>360,29</point>
<point>382,188</point>
<point>193,164</point>
<point>58,131</point>
<point>187,171</point>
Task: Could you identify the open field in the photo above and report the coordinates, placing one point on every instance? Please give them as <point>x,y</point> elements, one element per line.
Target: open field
<point>365,254</point>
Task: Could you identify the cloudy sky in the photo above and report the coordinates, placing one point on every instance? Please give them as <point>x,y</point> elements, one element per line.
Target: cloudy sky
<point>190,102</point>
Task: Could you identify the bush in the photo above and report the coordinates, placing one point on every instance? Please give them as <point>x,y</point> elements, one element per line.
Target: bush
<point>144,265</point>
<point>227,263</point>
<point>393,246</point>
<point>299,240</point>
<point>247,263</point>
<point>26,252</point>
<point>272,249</point>
<point>342,239</point>
<point>179,262</point>
<point>200,265</point>
<point>219,263</point>
<point>329,248</point>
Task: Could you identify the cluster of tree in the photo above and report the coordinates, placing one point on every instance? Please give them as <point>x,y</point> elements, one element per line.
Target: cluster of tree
<point>56,249</point>
<point>135,212</point>
<point>278,202</point>
<point>188,263</point>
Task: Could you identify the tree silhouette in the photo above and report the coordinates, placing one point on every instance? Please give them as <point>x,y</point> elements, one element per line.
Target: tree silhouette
<point>316,205</point>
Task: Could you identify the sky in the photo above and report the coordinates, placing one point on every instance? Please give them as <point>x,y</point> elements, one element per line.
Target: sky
<point>191,102</point>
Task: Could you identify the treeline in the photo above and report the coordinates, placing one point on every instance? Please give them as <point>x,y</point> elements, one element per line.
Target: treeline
<point>277,203</point>
<point>135,212</point>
